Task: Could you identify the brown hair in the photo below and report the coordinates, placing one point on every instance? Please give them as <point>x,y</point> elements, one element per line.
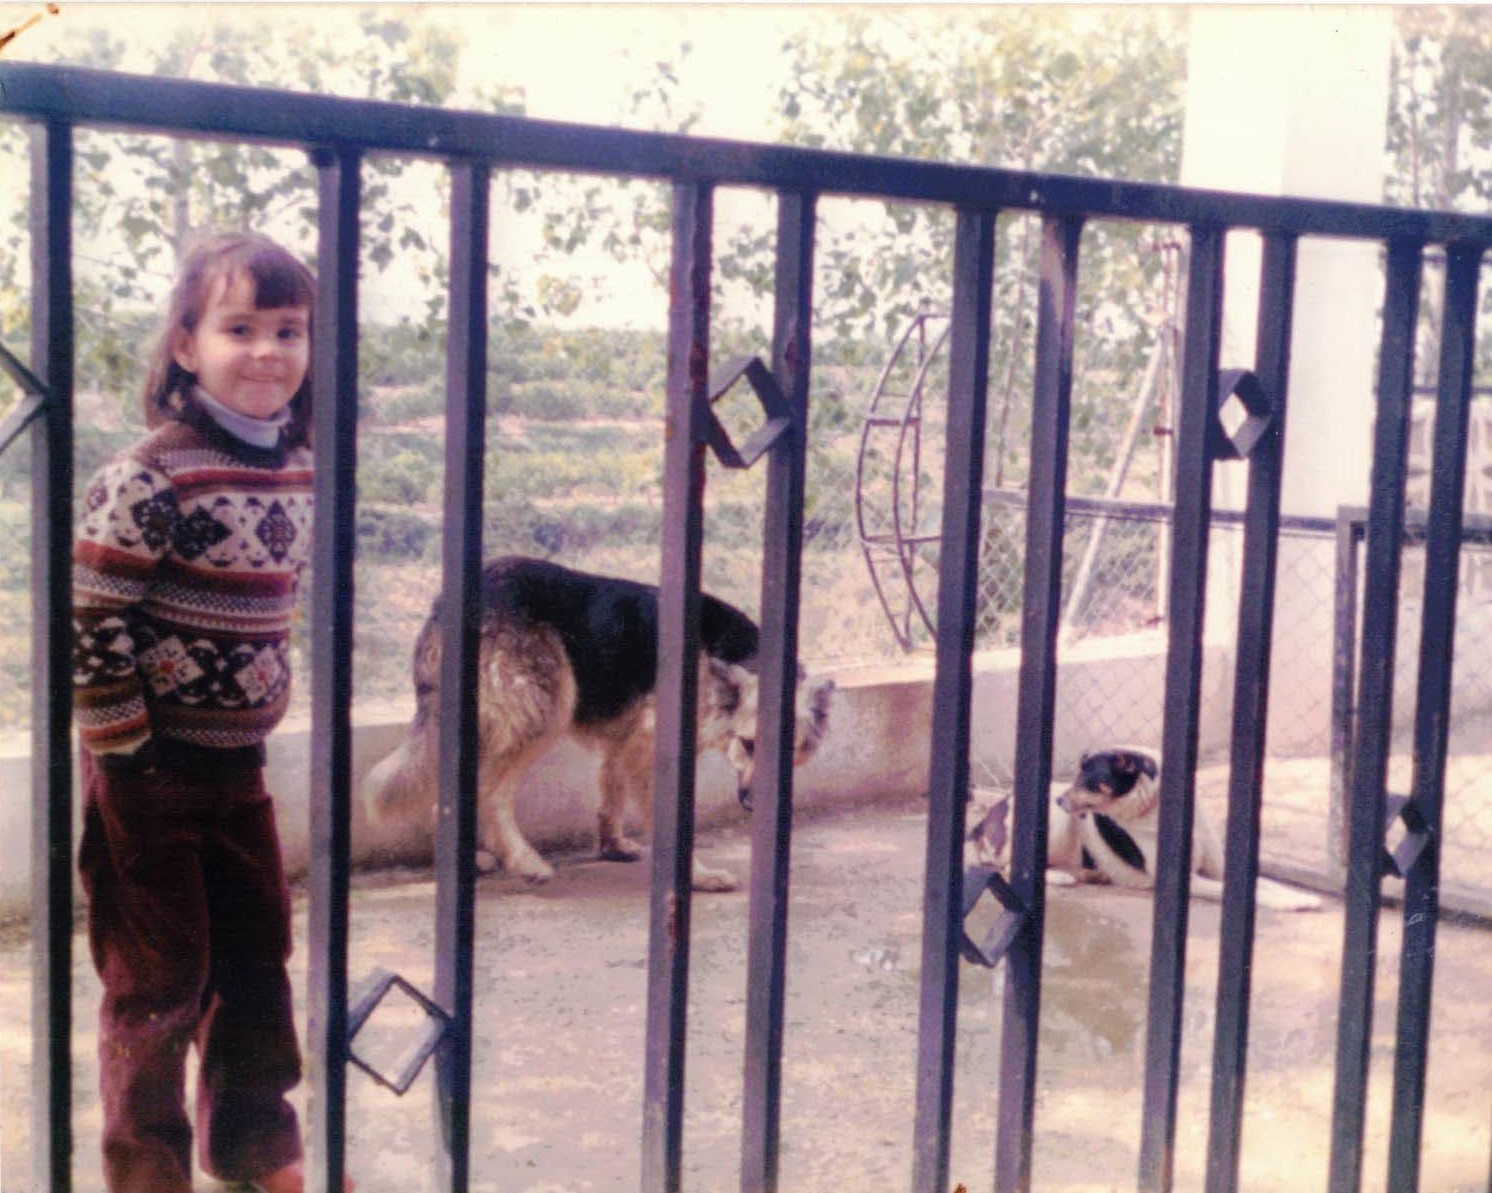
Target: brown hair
<point>279,281</point>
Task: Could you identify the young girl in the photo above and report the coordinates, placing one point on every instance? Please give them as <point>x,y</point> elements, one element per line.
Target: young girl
<point>184,579</point>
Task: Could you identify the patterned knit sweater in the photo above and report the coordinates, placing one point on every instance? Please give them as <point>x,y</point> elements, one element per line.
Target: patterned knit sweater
<point>184,579</point>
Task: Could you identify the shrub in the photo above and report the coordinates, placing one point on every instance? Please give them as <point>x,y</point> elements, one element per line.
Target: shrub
<point>582,528</point>
<point>395,534</point>
<point>403,479</point>
<point>425,401</point>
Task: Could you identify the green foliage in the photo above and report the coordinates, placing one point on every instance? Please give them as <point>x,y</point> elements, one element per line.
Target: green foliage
<point>405,353</point>
<point>1064,91</point>
<point>1440,131</point>
<point>1440,115</point>
<point>1053,90</point>
<point>15,543</point>
<point>405,479</point>
<point>396,534</point>
<point>416,402</point>
<point>583,527</point>
<point>571,399</point>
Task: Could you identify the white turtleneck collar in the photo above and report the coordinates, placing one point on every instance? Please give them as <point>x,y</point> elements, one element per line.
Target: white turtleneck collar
<point>257,432</point>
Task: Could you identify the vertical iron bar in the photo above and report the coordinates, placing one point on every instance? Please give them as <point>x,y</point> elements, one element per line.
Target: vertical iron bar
<point>334,382</point>
<point>677,687</point>
<point>1433,710</point>
<point>1375,714</point>
<point>771,825</point>
<point>1184,657</point>
<point>51,660</point>
<point>948,777</point>
<point>1250,714</point>
<point>1041,615</point>
<point>461,615</point>
<point>1343,692</point>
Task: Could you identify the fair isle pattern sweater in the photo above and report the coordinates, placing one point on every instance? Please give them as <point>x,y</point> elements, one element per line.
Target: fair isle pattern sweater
<point>185,570</point>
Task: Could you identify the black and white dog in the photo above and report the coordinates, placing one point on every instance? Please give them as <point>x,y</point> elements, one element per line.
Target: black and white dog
<point>1103,829</point>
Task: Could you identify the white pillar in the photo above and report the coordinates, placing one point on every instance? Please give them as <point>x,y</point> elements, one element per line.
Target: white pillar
<point>1293,101</point>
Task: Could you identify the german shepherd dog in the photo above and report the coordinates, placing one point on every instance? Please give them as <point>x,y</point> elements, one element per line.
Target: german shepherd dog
<point>570,653</point>
<point>1103,829</point>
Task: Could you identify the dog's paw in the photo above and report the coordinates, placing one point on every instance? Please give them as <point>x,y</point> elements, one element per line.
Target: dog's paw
<point>531,866</point>
<point>1278,897</point>
<point>1060,878</point>
<point>715,881</point>
<point>620,850</point>
<point>486,862</point>
<point>542,872</point>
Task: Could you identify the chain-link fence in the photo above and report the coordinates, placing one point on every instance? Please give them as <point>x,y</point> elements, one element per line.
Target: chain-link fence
<point>1467,825</point>
<point>1110,686</point>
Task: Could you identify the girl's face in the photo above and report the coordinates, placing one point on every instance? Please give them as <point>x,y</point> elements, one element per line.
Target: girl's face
<point>252,361</point>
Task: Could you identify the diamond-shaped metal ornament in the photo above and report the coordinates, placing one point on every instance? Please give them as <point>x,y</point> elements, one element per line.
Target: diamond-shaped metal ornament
<point>1244,413</point>
<point>1406,836</point>
<point>774,405</point>
<point>394,1052</point>
<point>30,407</point>
<point>992,916</point>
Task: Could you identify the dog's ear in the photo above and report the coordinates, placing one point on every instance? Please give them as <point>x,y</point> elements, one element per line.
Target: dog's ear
<point>1093,771</point>
<point>723,685</point>
<point>1148,764</point>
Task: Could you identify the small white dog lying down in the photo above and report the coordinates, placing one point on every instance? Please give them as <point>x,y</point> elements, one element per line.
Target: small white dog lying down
<point>1103,829</point>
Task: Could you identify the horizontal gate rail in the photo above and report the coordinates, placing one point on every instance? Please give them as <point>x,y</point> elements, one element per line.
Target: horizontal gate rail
<point>108,100</point>
<point>340,133</point>
<point>1156,511</point>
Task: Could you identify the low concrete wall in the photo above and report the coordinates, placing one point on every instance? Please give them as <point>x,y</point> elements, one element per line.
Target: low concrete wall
<point>877,748</point>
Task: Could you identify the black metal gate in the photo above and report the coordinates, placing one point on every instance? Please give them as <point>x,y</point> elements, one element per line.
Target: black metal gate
<point>337,133</point>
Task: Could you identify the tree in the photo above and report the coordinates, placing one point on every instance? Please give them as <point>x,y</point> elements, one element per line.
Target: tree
<point>1096,93</point>
<point>1440,130</point>
<point>1090,92</point>
<point>1440,111</point>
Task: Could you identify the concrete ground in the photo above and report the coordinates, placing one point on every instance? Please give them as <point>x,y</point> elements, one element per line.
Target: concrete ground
<point>560,998</point>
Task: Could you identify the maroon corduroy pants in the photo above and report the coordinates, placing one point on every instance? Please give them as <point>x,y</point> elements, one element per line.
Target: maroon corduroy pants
<point>189,926</point>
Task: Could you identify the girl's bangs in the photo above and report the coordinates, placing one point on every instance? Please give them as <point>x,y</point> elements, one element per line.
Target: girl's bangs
<point>279,279</point>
